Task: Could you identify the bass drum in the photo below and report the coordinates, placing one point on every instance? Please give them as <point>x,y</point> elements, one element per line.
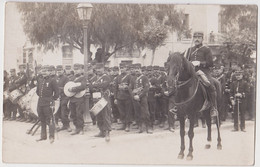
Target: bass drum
<point>22,102</point>
<point>32,102</point>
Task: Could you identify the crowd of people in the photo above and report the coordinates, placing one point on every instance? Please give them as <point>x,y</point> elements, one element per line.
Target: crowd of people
<point>136,96</point>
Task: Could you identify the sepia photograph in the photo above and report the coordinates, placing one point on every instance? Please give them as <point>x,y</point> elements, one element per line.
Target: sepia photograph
<point>109,83</point>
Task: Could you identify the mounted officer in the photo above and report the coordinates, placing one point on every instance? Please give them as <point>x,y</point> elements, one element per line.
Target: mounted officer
<point>201,57</point>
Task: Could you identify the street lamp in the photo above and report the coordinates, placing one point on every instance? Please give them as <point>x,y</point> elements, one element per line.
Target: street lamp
<point>84,11</point>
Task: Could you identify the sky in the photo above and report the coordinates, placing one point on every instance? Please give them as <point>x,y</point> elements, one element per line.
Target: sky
<point>14,37</point>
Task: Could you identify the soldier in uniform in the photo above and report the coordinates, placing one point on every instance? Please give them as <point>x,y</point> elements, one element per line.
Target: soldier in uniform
<point>77,105</point>
<point>21,85</point>
<point>48,91</point>
<point>123,99</point>
<point>63,111</point>
<point>201,58</point>
<point>104,116</point>
<point>69,72</point>
<point>139,90</point>
<point>238,92</point>
<point>92,77</point>
<point>114,74</point>
<point>12,109</point>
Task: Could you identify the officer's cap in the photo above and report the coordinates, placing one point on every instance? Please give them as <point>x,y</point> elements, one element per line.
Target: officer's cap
<point>198,34</point>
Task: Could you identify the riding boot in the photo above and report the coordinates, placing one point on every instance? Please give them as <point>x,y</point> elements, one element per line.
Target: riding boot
<point>213,100</point>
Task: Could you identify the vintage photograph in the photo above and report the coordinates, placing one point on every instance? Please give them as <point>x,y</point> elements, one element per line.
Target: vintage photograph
<point>129,83</point>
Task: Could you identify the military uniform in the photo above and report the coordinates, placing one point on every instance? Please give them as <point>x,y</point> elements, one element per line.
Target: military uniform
<point>63,111</point>
<point>124,101</point>
<point>203,55</point>
<point>12,108</point>
<point>238,91</point>
<point>77,105</point>
<point>103,117</point>
<point>48,91</point>
<point>139,89</point>
<point>115,111</point>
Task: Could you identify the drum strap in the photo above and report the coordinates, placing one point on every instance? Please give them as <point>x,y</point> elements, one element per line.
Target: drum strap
<point>99,78</point>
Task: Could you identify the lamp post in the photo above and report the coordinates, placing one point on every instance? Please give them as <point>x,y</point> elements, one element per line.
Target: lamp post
<point>84,11</point>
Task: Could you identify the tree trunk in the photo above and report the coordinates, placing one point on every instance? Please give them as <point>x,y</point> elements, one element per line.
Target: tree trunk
<point>152,56</point>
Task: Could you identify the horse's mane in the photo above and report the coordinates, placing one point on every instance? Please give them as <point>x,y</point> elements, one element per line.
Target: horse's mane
<point>179,61</point>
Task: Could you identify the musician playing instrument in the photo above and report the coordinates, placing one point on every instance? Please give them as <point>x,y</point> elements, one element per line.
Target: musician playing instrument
<point>48,91</point>
<point>101,85</point>
<point>77,104</point>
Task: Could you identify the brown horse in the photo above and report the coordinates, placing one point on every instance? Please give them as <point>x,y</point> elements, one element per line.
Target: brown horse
<point>187,98</point>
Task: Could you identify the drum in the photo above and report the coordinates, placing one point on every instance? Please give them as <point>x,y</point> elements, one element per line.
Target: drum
<point>99,106</point>
<point>15,95</point>
<point>6,95</point>
<point>22,102</point>
<point>32,102</point>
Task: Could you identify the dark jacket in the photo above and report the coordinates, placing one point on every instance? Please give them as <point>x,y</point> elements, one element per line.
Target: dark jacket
<point>203,54</point>
<point>142,83</point>
<point>120,92</point>
<point>47,90</point>
<point>62,80</point>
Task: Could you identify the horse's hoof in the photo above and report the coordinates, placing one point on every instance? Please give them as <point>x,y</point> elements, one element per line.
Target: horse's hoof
<point>180,156</point>
<point>219,147</point>
<point>207,146</point>
<point>189,157</point>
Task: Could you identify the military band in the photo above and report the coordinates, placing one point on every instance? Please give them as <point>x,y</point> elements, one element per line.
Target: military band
<point>135,95</point>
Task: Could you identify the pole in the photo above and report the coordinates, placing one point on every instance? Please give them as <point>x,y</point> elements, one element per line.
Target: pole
<point>86,114</point>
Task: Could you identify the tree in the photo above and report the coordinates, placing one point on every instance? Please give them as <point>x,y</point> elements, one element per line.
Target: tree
<point>241,25</point>
<point>112,26</point>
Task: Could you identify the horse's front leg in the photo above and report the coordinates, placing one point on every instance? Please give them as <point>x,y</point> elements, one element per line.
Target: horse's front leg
<point>208,122</point>
<point>219,146</point>
<point>191,135</point>
<point>182,134</point>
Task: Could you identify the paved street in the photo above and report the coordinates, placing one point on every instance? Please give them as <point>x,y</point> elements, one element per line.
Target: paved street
<point>162,147</point>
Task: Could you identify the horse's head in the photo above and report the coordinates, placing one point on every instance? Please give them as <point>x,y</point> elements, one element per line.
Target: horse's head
<point>175,67</point>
